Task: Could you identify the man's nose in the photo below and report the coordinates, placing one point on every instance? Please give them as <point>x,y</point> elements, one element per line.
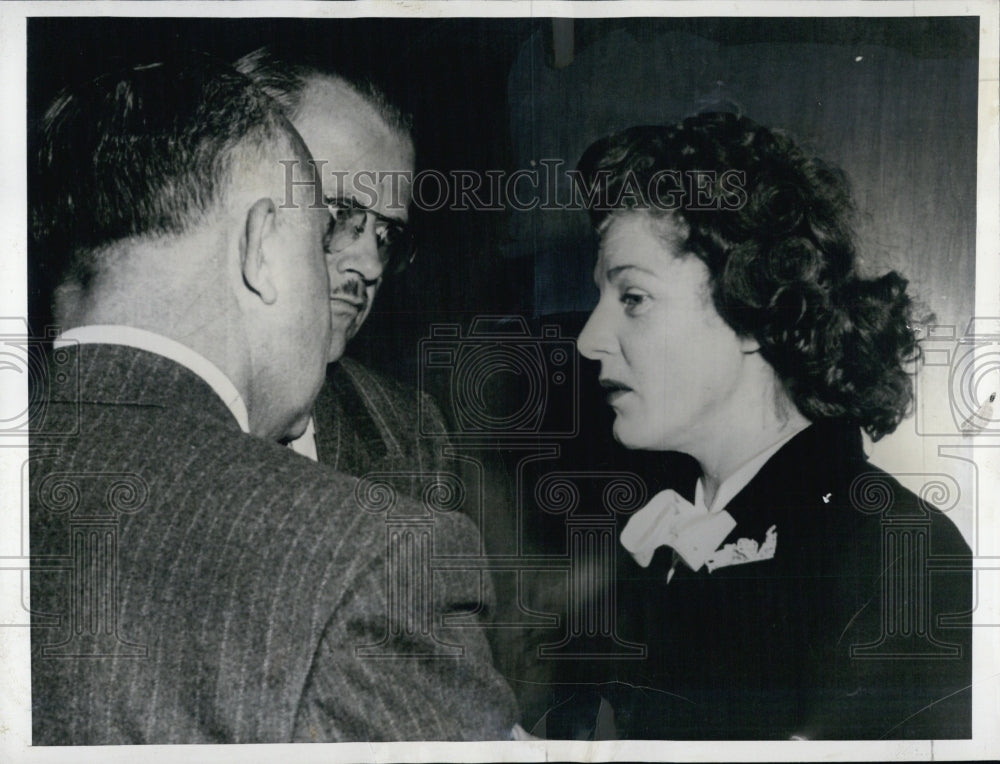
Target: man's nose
<point>595,338</point>
<point>361,255</point>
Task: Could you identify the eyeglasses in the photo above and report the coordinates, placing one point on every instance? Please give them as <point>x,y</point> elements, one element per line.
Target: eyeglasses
<point>394,240</point>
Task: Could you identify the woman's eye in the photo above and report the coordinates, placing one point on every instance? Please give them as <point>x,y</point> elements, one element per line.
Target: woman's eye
<point>633,300</point>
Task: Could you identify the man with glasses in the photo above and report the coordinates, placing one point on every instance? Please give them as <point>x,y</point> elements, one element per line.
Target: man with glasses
<point>196,582</point>
<point>363,421</point>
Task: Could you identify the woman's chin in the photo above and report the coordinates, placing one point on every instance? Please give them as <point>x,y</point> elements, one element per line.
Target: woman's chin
<point>626,435</point>
<point>639,438</point>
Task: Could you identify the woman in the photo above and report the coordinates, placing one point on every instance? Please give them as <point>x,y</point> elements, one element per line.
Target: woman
<point>733,326</point>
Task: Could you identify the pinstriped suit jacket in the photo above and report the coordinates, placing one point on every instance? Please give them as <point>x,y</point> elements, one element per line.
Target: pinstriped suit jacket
<point>367,422</point>
<point>193,584</point>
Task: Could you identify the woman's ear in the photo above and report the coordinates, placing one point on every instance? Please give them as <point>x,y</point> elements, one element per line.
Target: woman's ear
<point>749,345</point>
<point>254,264</point>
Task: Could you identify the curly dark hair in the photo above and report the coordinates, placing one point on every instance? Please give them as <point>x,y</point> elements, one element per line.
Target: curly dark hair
<point>773,226</point>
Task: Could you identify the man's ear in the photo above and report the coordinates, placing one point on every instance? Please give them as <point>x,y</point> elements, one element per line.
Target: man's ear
<point>253,260</point>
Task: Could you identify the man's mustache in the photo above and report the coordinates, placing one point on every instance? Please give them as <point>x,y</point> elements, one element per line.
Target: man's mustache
<point>353,289</point>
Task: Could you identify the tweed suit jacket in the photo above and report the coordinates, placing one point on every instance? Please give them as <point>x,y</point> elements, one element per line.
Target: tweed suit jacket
<point>368,423</point>
<point>194,584</point>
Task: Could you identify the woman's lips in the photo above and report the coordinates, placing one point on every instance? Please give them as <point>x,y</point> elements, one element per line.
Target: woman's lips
<point>615,389</point>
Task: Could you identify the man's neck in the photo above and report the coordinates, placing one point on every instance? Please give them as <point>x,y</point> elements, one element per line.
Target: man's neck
<point>197,314</point>
<point>141,339</point>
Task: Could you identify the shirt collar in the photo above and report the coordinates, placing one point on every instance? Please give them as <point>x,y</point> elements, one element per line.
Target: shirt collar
<point>305,444</point>
<point>141,339</point>
<point>736,482</point>
<point>694,531</point>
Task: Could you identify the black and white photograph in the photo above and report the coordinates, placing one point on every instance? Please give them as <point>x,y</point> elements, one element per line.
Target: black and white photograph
<point>500,381</point>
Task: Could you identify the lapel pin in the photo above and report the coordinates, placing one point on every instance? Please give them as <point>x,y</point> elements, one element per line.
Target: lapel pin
<point>981,418</point>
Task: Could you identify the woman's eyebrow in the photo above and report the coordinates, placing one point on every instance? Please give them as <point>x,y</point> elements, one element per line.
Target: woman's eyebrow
<point>612,273</point>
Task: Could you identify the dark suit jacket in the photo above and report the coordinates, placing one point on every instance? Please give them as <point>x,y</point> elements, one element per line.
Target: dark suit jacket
<point>367,422</point>
<point>846,633</point>
<point>206,586</point>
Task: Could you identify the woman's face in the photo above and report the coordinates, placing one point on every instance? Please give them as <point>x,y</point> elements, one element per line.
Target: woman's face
<point>671,365</point>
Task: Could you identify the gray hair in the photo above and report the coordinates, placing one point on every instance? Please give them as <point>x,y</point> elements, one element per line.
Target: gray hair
<point>285,82</point>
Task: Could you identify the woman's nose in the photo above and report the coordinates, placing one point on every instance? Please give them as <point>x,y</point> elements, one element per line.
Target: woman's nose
<point>594,339</point>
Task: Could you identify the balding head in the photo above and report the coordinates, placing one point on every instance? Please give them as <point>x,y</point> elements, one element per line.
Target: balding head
<point>362,144</point>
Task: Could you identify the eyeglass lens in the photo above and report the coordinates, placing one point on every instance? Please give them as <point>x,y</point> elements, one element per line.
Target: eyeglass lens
<point>350,221</point>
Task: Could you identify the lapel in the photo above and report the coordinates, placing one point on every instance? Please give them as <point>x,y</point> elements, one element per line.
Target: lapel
<point>801,489</point>
<point>348,410</point>
<point>802,492</point>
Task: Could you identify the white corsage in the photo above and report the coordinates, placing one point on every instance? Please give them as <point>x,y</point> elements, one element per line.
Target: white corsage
<point>744,550</point>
